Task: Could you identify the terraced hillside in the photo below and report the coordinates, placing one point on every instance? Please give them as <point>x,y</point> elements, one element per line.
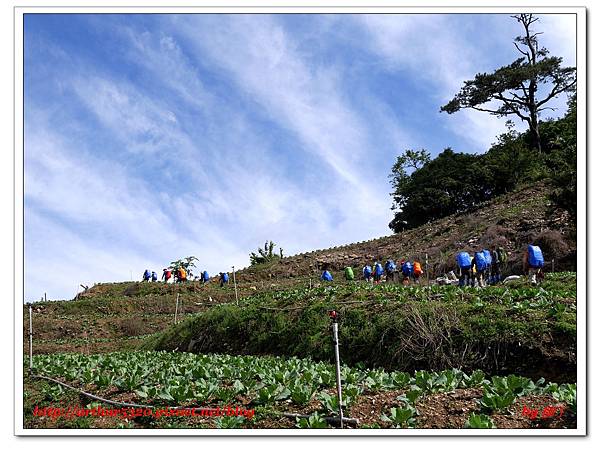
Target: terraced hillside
<point>516,328</point>
<point>422,356</point>
<point>111,317</point>
<point>509,221</point>
<point>117,316</point>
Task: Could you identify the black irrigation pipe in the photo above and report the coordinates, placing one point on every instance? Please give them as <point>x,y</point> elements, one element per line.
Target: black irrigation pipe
<point>331,419</point>
<point>116,403</point>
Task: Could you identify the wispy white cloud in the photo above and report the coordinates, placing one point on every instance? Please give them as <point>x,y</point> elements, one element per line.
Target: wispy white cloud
<point>263,61</point>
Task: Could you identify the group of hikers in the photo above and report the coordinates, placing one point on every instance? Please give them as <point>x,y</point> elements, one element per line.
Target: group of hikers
<point>180,274</point>
<point>389,271</point>
<point>483,268</point>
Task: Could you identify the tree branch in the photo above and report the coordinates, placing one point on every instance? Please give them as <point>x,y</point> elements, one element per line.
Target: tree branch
<point>555,91</point>
<point>521,51</point>
<point>489,110</point>
<point>516,99</point>
<point>524,89</point>
<point>508,103</point>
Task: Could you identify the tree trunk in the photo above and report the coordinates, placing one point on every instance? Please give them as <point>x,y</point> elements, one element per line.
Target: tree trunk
<point>535,132</point>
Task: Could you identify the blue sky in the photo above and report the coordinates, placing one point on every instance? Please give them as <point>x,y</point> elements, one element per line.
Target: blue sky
<point>153,137</point>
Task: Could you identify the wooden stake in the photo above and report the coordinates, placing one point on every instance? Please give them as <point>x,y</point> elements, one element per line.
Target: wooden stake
<point>235,285</point>
<point>30,340</point>
<point>176,306</point>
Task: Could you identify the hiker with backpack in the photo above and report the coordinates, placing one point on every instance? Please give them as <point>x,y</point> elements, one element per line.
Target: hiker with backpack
<point>479,267</point>
<point>181,275</point>
<point>533,263</point>
<point>488,266</point>
<point>407,272</point>
<point>166,275</point>
<point>367,273</point>
<point>502,261</point>
<point>205,277</point>
<point>154,276</point>
<point>499,256</point>
<point>378,272</point>
<point>417,271</point>
<point>463,260</point>
<point>223,279</point>
<point>146,276</point>
<point>349,274</point>
<point>326,276</point>
<point>390,270</point>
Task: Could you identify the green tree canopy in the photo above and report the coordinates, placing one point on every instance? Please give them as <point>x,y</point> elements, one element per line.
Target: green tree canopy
<point>452,182</point>
<point>425,189</point>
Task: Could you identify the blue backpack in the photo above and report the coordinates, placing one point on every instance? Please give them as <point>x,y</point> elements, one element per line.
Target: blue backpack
<point>146,274</point>
<point>378,269</point>
<point>536,258</point>
<point>480,261</point>
<point>463,260</point>
<point>407,269</point>
<point>154,276</point>
<point>326,276</point>
<point>367,271</point>
<point>390,266</point>
<point>488,257</point>
<point>225,277</point>
<point>205,276</point>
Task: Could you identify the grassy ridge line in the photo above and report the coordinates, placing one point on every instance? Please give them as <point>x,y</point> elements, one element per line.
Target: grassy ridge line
<point>495,329</point>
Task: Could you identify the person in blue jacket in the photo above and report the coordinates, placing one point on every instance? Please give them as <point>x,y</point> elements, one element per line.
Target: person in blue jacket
<point>480,263</point>
<point>378,272</point>
<point>147,276</point>
<point>367,272</point>
<point>326,276</point>
<point>154,276</point>
<point>223,279</point>
<point>407,271</point>
<point>205,277</point>
<point>390,270</point>
<point>533,263</point>
<point>463,260</point>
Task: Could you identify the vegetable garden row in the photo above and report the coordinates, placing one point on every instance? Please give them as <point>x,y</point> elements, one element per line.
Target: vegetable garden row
<point>273,385</point>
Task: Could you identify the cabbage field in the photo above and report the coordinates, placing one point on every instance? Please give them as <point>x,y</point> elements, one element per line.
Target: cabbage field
<point>272,386</point>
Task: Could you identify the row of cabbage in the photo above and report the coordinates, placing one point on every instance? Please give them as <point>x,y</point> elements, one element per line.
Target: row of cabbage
<point>172,378</point>
<point>554,299</point>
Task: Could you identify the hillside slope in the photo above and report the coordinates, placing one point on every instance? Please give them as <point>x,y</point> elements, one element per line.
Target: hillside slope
<point>509,220</point>
<point>502,329</point>
<point>117,316</point>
